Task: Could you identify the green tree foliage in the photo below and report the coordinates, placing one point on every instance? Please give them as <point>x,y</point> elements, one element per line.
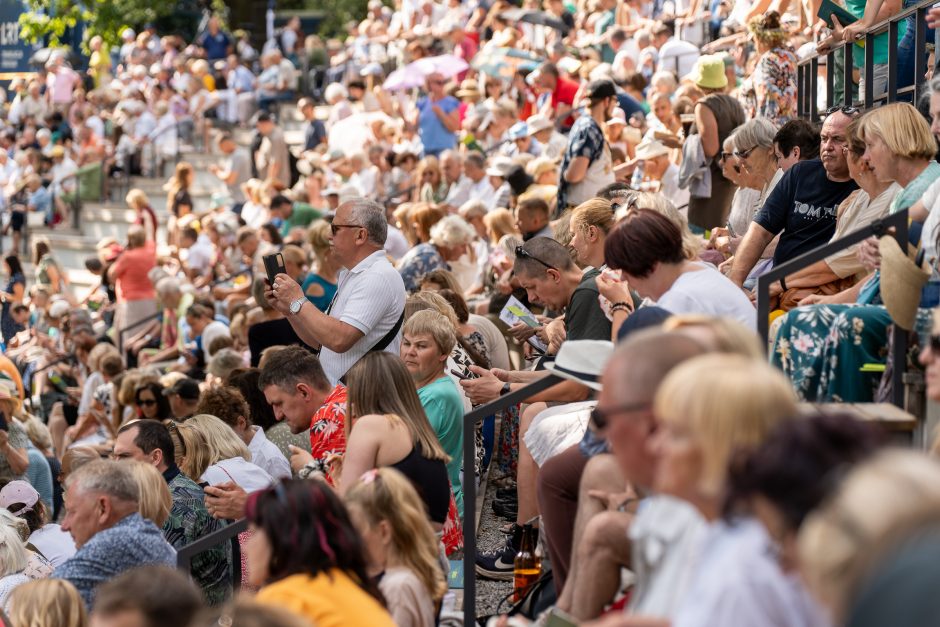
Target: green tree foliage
<point>337,13</point>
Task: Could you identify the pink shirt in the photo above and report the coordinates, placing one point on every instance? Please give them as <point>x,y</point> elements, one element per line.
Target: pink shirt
<point>61,84</point>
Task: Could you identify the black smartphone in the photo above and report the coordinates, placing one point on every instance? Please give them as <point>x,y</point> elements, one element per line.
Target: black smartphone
<point>273,266</point>
<point>459,374</point>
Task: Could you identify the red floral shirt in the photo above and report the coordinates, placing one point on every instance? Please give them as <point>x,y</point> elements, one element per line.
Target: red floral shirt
<point>327,428</point>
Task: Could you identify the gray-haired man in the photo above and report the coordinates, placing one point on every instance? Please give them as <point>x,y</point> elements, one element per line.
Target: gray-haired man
<point>366,313</point>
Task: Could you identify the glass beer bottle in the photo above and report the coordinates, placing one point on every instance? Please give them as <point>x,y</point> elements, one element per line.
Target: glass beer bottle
<point>527,566</point>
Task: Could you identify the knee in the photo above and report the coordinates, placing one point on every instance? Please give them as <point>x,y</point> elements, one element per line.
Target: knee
<point>601,472</point>
<point>606,534</point>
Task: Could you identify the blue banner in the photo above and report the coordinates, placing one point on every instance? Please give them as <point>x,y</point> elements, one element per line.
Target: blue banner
<point>14,52</point>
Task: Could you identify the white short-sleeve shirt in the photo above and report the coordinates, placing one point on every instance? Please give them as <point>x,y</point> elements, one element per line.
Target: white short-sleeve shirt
<point>370,297</point>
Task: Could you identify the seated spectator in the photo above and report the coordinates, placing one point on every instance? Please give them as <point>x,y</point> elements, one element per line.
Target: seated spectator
<point>228,405</point>
<point>211,451</point>
<point>149,441</point>
<point>48,538</point>
<point>308,557</point>
<point>183,398</point>
<point>385,505</point>
<point>133,597</point>
<point>47,603</point>
<point>427,340</point>
<point>151,402</point>
<point>13,563</point>
<point>102,500</point>
<point>646,248</point>
<point>448,241</point>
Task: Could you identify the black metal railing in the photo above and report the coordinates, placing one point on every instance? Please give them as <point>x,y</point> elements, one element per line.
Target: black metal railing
<point>897,221</point>
<point>137,324</point>
<point>229,533</point>
<point>808,69</point>
<point>470,421</point>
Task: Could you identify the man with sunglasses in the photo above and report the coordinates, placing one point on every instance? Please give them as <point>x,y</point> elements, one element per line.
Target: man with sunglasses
<point>803,205</point>
<point>366,313</point>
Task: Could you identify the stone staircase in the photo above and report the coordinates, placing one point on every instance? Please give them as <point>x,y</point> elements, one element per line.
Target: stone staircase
<point>112,218</point>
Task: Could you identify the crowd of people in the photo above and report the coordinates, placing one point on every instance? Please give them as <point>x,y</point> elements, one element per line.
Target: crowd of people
<point>479,196</point>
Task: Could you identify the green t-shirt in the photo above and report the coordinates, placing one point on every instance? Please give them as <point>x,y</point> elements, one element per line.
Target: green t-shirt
<point>444,408</point>
<point>302,214</point>
<point>857,8</point>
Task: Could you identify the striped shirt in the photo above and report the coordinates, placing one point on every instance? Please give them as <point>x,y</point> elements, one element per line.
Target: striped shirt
<point>370,297</point>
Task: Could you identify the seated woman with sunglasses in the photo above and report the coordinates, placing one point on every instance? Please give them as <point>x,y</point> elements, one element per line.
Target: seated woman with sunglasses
<point>307,557</point>
<point>151,403</point>
<point>823,349</point>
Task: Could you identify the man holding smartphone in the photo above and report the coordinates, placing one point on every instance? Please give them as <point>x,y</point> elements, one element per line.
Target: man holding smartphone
<point>367,312</point>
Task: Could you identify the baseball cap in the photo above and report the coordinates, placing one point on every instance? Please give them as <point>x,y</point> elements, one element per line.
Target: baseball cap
<point>186,388</point>
<point>19,492</point>
<point>601,88</point>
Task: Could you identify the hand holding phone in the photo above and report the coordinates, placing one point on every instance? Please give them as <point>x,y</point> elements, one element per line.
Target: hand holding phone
<point>273,266</point>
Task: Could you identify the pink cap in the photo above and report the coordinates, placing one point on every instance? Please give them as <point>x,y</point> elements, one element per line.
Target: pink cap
<point>19,492</point>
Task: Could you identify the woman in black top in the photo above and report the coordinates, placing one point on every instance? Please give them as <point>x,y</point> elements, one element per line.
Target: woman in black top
<point>271,327</point>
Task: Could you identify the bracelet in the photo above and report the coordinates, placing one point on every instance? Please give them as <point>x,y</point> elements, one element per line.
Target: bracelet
<point>783,283</point>
<point>621,307</point>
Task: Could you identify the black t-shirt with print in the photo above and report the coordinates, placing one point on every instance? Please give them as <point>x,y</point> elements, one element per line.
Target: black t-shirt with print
<point>803,205</point>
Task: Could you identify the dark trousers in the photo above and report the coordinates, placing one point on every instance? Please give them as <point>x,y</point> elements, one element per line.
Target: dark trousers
<point>558,481</point>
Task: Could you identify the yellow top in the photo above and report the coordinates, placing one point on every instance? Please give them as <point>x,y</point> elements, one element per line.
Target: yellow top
<point>327,600</point>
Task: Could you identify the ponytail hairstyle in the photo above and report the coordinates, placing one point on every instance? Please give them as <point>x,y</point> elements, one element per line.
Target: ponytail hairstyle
<point>386,494</point>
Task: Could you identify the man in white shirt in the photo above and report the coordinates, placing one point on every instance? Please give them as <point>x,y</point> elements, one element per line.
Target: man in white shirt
<point>367,311</point>
<point>474,168</point>
<point>675,55</point>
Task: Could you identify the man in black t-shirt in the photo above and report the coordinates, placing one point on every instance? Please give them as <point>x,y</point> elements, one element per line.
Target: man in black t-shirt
<point>803,204</point>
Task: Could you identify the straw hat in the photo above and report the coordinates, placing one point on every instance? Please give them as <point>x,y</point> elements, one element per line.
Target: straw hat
<point>540,165</point>
<point>650,149</point>
<point>709,72</point>
<point>538,123</point>
<point>469,89</point>
<point>901,282</point>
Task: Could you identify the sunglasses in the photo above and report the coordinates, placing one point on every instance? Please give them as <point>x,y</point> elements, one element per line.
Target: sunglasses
<point>601,417</point>
<point>146,402</point>
<point>522,252</point>
<point>336,227</point>
<point>744,154</point>
<point>845,110</point>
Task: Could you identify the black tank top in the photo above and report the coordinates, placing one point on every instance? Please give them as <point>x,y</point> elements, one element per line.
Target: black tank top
<point>429,477</point>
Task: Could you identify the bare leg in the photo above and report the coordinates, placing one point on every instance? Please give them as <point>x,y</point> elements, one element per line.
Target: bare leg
<point>527,470</point>
<point>601,473</point>
<point>57,428</point>
<point>603,550</point>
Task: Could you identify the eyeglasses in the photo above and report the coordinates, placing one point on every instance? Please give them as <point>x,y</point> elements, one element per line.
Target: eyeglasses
<point>522,252</point>
<point>725,156</point>
<point>845,110</point>
<point>601,417</point>
<point>744,154</point>
<point>336,227</point>
<point>147,402</point>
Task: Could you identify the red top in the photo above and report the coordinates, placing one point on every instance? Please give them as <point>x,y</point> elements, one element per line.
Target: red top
<point>565,91</point>
<point>328,428</point>
<point>130,273</point>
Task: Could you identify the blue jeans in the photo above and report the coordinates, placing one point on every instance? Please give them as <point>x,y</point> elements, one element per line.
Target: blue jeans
<point>906,56</point>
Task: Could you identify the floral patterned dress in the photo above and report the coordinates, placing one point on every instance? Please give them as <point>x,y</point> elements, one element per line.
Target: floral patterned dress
<point>770,91</point>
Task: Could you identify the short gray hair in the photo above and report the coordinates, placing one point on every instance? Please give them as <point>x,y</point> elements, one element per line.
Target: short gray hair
<point>106,477</point>
<point>371,216</point>
<point>452,230</point>
<point>168,285</point>
<point>756,132</point>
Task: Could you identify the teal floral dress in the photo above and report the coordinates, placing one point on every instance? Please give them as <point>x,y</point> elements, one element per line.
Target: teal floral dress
<point>823,348</point>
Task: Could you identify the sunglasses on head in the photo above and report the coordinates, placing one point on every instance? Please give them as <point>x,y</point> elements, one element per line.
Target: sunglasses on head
<point>845,110</point>
<point>522,252</point>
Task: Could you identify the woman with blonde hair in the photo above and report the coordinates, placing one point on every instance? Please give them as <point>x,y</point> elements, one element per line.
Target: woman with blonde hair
<point>591,221</point>
<point>429,181</point>
<point>837,543</point>
<point>213,452</point>
<point>401,547</point>
<point>718,334</point>
<point>155,500</point>
<point>137,200</point>
<point>179,202</point>
<point>13,562</point>
<point>710,409</point>
<point>320,285</point>
<point>47,603</point>
<point>500,224</point>
<point>255,210</point>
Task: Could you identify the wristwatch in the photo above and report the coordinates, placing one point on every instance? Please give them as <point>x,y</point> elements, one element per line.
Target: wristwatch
<point>296,305</point>
<point>506,389</point>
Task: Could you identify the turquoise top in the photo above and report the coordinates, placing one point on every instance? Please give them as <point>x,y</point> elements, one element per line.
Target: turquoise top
<point>857,8</point>
<point>444,407</point>
<point>321,301</point>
